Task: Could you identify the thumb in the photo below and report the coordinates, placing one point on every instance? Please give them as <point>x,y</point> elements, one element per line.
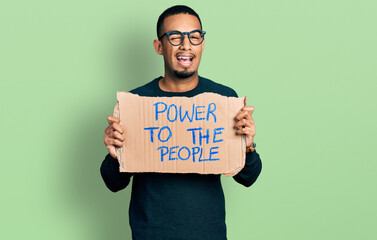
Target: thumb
<point>112,152</point>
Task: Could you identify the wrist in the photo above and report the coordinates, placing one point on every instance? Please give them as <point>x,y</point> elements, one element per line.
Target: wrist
<point>251,148</point>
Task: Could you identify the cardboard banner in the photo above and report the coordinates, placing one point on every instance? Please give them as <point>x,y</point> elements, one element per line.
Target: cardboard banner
<point>180,134</point>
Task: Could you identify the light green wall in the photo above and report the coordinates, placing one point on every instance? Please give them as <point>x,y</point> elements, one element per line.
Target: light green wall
<point>308,67</point>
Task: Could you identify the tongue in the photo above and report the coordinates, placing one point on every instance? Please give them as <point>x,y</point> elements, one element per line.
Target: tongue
<point>183,60</point>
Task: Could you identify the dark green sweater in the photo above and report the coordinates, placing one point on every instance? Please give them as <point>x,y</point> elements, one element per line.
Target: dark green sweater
<point>177,206</point>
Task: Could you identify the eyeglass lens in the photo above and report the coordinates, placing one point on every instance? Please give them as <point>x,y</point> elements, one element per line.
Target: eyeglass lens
<point>176,38</point>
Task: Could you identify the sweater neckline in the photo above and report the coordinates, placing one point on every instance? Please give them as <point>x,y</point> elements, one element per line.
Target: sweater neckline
<point>191,92</point>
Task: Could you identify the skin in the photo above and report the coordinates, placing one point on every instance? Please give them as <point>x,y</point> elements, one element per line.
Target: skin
<point>170,82</point>
<point>244,123</point>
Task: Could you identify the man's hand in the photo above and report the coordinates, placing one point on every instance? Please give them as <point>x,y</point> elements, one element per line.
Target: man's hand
<point>245,124</point>
<point>114,135</point>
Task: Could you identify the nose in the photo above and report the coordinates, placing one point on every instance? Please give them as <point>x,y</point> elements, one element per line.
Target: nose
<point>186,44</point>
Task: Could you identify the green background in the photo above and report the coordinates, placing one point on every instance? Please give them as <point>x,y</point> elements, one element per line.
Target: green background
<point>308,68</point>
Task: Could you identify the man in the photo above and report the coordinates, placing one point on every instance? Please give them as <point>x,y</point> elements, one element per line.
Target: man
<point>178,206</point>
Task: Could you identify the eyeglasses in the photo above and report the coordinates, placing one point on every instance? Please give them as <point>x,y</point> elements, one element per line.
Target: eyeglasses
<point>176,38</point>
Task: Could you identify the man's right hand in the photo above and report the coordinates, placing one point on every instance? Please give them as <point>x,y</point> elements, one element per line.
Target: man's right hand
<point>114,135</point>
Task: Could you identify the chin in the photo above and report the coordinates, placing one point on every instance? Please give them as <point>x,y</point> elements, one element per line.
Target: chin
<point>183,74</point>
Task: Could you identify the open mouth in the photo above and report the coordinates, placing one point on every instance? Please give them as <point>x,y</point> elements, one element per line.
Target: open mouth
<point>185,59</point>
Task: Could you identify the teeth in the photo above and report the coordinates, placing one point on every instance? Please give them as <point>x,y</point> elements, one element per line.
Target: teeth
<point>184,58</point>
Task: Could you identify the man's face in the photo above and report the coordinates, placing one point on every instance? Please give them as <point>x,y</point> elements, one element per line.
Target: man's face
<point>175,57</point>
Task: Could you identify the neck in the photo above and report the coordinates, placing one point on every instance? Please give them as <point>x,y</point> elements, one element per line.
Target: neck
<point>173,84</point>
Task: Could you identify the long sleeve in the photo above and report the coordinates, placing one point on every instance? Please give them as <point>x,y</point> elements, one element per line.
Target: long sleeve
<point>253,164</point>
<point>249,174</point>
<point>114,179</point>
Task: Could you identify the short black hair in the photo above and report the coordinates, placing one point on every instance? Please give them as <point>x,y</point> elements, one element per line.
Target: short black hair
<point>174,10</point>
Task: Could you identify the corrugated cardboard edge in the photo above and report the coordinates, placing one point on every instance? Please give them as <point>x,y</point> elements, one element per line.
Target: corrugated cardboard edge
<point>243,149</point>
<point>119,150</point>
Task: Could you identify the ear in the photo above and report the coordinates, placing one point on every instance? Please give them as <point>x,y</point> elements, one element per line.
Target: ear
<point>157,44</point>
<point>203,43</point>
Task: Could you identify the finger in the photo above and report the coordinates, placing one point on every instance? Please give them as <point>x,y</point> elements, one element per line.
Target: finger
<point>114,127</point>
<point>245,110</point>
<point>117,127</point>
<point>108,140</point>
<point>244,123</point>
<point>113,134</point>
<point>248,131</point>
<point>112,119</point>
<point>248,108</point>
<point>114,142</point>
<point>112,152</point>
<point>118,136</point>
<point>243,114</point>
<point>108,130</point>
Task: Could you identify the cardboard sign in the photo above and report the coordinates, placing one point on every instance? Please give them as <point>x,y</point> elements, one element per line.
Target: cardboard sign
<point>180,134</point>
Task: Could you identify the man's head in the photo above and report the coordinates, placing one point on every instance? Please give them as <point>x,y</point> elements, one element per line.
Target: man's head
<point>181,61</point>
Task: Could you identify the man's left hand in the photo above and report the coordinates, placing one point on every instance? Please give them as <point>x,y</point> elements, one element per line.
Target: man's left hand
<point>245,124</point>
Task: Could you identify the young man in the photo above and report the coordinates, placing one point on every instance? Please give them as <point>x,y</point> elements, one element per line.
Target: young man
<point>178,206</point>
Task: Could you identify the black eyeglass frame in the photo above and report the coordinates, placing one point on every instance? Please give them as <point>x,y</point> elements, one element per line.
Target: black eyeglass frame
<point>183,36</point>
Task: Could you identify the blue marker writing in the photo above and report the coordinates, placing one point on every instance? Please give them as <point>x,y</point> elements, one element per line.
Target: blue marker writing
<point>188,153</point>
<point>171,152</point>
<point>159,134</point>
<point>151,131</point>
<point>162,152</point>
<point>217,131</point>
<point>159,111</point>
<point>193,133</point>
<point>186,114</point>
<point>197,113</point>
<point>195,152</point>
<point>211,111</point>
<point>175,112</point>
